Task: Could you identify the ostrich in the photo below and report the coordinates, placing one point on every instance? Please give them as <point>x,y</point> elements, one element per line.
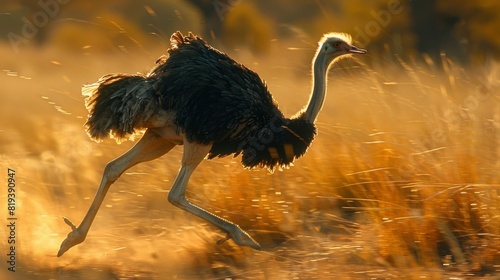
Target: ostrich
<point>201,98</point>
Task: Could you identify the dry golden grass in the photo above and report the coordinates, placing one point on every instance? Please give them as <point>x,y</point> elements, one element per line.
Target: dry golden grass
<point>401,182</point>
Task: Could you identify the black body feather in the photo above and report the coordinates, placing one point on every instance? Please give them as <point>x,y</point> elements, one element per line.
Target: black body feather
<point>215,99</point>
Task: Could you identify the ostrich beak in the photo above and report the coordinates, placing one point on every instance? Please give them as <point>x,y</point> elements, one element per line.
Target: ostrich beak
<point>357,50</point>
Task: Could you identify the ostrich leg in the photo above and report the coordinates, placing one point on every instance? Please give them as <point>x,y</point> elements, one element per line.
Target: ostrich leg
<point>150,146</point>
<point>193,155</point>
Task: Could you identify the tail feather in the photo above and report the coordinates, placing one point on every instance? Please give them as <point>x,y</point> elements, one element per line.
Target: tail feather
<point>119,104</point>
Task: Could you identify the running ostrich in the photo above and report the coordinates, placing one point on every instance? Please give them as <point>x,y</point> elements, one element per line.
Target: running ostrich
<point>201,98</point>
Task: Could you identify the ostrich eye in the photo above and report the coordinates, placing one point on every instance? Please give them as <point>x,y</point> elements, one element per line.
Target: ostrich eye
<point>336,45</point>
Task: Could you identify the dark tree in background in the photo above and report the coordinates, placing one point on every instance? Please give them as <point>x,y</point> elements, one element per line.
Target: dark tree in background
<point>212,22</point>
<point>434,32</point>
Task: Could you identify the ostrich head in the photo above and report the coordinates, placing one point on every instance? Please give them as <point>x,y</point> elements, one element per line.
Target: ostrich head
<point>334,45</point>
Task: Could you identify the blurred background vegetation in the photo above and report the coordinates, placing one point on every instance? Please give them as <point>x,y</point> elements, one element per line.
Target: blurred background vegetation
<point>466,30</point>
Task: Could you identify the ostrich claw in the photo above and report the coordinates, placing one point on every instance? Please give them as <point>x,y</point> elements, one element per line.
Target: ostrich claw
<point>75,237</point>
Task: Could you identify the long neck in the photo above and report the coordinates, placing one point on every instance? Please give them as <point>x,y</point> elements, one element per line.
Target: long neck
<point>318,94</point>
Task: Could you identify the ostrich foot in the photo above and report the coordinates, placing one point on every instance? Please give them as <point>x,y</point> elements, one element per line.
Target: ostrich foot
<point>75,237</point>
<point>241,238</point>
